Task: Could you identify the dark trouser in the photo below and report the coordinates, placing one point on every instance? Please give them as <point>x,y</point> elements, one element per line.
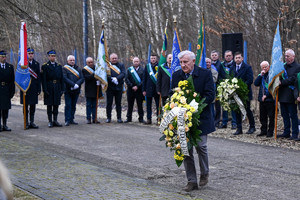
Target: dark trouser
<point>164,99</point>
<point>131,96</point>
<point>4,116</point>
<point>189,163</point>
<point>91,108</point>
<point>70,106</point>
<point>110,94</point>
<point>217,112</point>
<point>225,117</point>
<point>288,113</point>
<point>31,112</point>
<point>149,106</point>
<point>249,115</point>
<point>267,111</point>
<point>52,110</point>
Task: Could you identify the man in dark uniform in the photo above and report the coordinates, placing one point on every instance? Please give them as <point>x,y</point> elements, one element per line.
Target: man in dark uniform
<point>31,98</point>
<point>73,79</point>
<point>7,89</point>
<point>163,79</point>
<point>53,87</point>
<point>134,80</point>
<point>91,84</point>
<point>149,86</point>
<point>115,87</point>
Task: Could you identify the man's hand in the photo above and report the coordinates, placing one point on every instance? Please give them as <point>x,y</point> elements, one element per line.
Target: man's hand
<point>298,99</point>
<point>114,80</point>
<point>144,93</point>
<point>97,82</point>
<point>158,93</point>
<point>76,86</point>
<point>263,97</point>
<point>262,72</point>
<point>134,88</point>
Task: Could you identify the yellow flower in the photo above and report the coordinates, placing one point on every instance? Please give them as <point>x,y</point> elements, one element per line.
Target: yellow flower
<point>189,114</point>
<point>171,133</point>
<point>174,95</point>
<point>187,91</point>
<point>183,100</point>
<point>156,67</point>
<point>190,124</point>
<point>192,109</point>
<point>166,132</point>
<point>171,127</point>
<point>177,89</point>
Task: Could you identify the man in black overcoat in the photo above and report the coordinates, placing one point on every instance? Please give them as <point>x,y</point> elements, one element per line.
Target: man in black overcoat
<point>7,89</point>
<point>53,87</point>
<point>31,98</point>
<point>163,79</point>
<point>204,85</point>
<point>134,80</point>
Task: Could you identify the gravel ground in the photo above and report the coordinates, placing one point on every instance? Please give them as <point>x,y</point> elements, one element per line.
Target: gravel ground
<point>221,133</point>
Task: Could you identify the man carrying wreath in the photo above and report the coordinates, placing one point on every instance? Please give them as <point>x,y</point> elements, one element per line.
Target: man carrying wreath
<point>204,85</point>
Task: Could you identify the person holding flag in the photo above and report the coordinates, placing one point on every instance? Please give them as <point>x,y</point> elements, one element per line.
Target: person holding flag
<point>149,86</point>
<point>134,80</point>
<point>31,98</point>
<point>7,89</point>
<point>53,87</point>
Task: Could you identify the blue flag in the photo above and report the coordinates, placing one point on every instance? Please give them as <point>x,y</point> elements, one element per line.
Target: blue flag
<point>175,65</point>
<point>277,66</point>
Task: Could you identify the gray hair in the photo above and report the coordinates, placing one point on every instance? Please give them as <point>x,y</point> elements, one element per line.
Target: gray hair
<point>188,53</point>
<point>207,59</point>
<point>214,51</point>
<point>70,56</point>
<point>89,58</point>
<point>291,51</point>
<point>265,62</point>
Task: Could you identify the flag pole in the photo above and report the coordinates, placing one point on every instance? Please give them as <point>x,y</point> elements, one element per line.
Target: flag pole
<point>175,22</point>
<point>159,109</point>
<point>276,112</point>
<point>24,110</point>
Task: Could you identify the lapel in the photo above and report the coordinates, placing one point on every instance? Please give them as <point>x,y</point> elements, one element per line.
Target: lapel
<point>242,69</point>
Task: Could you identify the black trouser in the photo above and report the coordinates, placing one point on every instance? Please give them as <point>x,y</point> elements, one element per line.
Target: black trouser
<point>110,94</point>
<point>31,112</point>
<point>131,96</point>
<point>52,110</point>
<point>217,112</point>
<point>267,111</point>
<point>4,115</point>
<point>249,115</point>
<point>164,99</point>
<point>149,106</point>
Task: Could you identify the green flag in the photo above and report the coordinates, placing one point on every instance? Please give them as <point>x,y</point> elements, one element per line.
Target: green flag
<point>163,55</point>
<point>201,46</point>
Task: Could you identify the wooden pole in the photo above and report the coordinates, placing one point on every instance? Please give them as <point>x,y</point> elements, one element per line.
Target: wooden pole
<point>276,112</point>
<point>97,99</point>
<point>24,110</point>
<point>159,108</point>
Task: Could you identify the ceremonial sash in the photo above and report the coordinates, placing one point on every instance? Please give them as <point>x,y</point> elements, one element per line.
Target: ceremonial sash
<point>72,70</point>
<point>115,68</point>
<point>265,85</point>
<point>32,73</point>
<point>226,69</point>
<point>151,73</point>
<point>90,70</point>
<point>134,75</point>
<point>285,76</point>
<point>168,71</point>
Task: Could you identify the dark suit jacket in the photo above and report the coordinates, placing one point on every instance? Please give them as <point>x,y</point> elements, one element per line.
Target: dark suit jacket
<point>285,93</point>
<point>222,72</point>
<point>258,83</point>
<point>163,82</point>
<point>246,74</point>
<point>120,77</point>
<point>148,86</point>
<point>7,86</point>
<point>204,85</point>
<point>130,82</point>
<point>35,86</point>
<point>90,84</point>
<point>70,80</point>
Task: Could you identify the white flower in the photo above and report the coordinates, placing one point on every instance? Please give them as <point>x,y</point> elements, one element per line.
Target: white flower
<point>194,104</point>
<point>234,80</point>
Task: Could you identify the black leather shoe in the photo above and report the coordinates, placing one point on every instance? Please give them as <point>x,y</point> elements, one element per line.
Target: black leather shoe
<point>5,128</point>
<point>119,121</point>
<point>27,126</point>
<point>108,121</point>
<point>127,121</point>
<point>269,134</point>
<point>261,134</point>
<point>88,121</point>
<point>73,122</point>
<point>292,138</point>
<point>50,124</point>
<point>190,186</point>
<point>55,123</point>
<point>96,122</point>
<point>283,136</point>
<point>148,122</point>
<point>238,132</point>
<point>203,180</point>
<point>233,126</point>
<point>32,125</point>
<point>67,123</point>
<point>251,130</point>
<point>142,121</point>
<point>223,126</point>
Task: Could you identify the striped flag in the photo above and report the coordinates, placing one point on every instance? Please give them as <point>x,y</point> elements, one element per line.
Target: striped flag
<point>201,46</point>
<point>277,66</point>
<point>163,55</point>
<point>101,66</point>
<point>22,77</point>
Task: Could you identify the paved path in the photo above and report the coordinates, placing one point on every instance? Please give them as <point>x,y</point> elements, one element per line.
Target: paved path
<point>126,161</point>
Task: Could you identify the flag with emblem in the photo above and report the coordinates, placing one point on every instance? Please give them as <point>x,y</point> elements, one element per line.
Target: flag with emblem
<point>201,46</point>
<point>101,65</point>
<point>22,77</point>
<point>163,55</point>
<point>176,49</point>
<point>277,66</point>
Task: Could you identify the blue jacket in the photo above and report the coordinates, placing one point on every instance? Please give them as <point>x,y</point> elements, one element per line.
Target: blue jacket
<point>246,74</point>
<point>204,85</point>
<point>148,85</point>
